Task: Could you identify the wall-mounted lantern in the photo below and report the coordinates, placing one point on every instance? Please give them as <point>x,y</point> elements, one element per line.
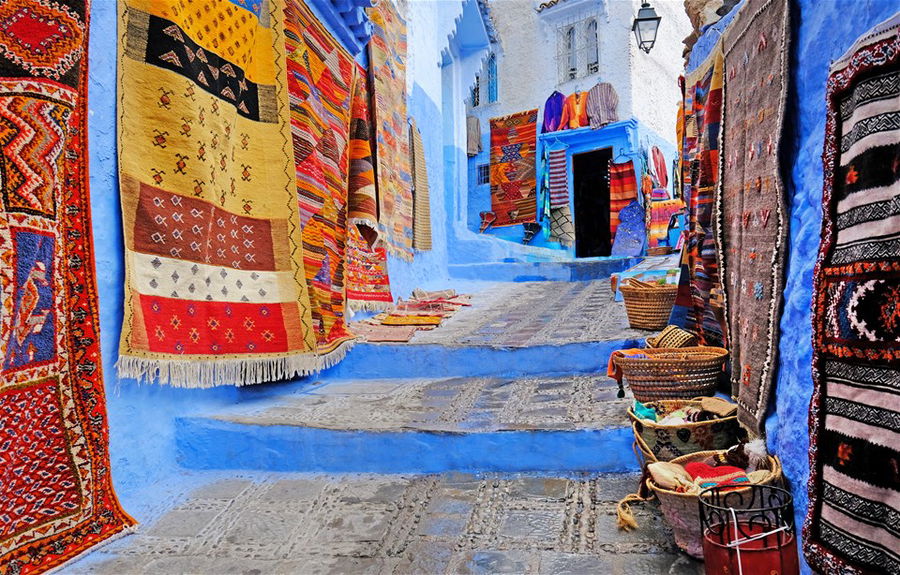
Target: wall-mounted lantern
<point>645,27</point>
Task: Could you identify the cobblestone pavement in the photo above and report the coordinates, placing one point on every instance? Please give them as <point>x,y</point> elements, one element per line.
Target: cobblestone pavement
<point>458,404</point>
<point>452,523</point>
<point>536,313</point>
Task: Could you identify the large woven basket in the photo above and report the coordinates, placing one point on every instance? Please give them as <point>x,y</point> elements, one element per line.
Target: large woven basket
<point>666,442</point>
<point>666,373</point>
<point>682,510</point>
<point>673,336</point>
<point>648,305</point>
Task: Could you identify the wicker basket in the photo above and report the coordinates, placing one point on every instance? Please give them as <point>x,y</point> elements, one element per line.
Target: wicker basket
<point>666,442</point>
<point>682,511</point>
<point>673,336</point>
<point>648,305</point>
<point>667,373</point>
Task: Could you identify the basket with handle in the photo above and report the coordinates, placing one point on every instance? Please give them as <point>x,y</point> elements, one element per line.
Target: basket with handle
<point>648,305</point>
<point>682,510</point>
<point>664,442</point>
<point>673,336</point>
<point>667,373</point>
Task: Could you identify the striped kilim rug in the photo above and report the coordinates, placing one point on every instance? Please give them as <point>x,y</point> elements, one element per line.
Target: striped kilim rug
<point>854,487</point>
<point>387,69</point>
<point>751,210</point>
<point>698,306</point>
<point>622,191</point>
<point>215,278</point>
<point>513,183</point>
<point>368,285</point>
<point>56,495</point>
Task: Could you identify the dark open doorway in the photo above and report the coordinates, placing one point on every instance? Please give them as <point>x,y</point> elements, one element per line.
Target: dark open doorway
<point>590,172</point>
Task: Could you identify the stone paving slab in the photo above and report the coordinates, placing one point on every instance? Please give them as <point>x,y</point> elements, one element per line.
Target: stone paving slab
<point>451,523</point>
<point>536,313</point>
<point>449,405</point>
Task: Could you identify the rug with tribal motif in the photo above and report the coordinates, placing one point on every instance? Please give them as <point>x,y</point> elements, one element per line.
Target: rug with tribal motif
<point>513,176</point>
<point>622,191</point>
<point>56,494</point>
<point>751,210</point>
<point>387,70</point>
<point>215,287</point>
<point>854,486</point>
<point>328,97</point>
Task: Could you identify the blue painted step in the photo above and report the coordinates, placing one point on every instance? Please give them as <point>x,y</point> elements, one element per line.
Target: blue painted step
<point>564,271</point>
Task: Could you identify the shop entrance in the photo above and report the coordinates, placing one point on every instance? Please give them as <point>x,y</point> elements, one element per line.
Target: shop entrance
<point>590,172</point>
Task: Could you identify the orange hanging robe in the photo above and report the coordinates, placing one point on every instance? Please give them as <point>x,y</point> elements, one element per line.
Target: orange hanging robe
<point>574,112</point>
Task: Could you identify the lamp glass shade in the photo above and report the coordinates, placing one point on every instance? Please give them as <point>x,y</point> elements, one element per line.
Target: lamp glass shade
<point>645,27</point>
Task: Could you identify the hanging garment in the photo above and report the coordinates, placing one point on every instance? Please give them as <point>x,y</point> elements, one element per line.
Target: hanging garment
<point>602,105</point>
<point>659,168</point>
<point>631,233</point>
<point>473,136</point>
<point>559,183</point>
<point>553,109</point>
<point>622,190</point>
<point>574,113</point>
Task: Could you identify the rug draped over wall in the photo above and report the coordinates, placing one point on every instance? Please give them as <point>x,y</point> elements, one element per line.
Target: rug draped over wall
<point>328,98</point>
<point>751,218</point>
<point>387,70</point>
<point>421,191</point>
<point>622,191</point>
<point>699,306</point>
<point>854,486</point>
<point>513,177</point>
<point>215,290</point>
<point>56,496</point>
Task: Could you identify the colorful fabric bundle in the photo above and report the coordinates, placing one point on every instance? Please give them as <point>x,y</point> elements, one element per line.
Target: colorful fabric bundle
<point>387,69</point>
<point>412,319</point>
<point>368,285</point>
<point>215,290</point>
<point>660,170</point>
<point>421,193</point>
<point>559,181</point>
<point>854,486</point>
<point>753,233</point>
<point>513,183</point>
<point>56,495</point>
<point>327,95</point>
<point>661,213</point>
<point>708,476</point>
<point>695,307</point>
<point>622,191</point>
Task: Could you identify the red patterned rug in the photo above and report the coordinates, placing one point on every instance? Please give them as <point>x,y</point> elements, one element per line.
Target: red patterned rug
<point>513,183</point>
<point>56,496</point>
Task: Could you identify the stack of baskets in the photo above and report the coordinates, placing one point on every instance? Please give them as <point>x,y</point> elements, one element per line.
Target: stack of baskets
<point>648,304</point>
<point>673,373</point>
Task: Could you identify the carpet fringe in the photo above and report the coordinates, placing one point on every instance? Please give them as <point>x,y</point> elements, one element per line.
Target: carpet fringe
<point>203,374</point>
<point>131,529</point>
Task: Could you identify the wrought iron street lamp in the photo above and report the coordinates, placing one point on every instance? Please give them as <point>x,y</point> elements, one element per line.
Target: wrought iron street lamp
<point>645,27</point>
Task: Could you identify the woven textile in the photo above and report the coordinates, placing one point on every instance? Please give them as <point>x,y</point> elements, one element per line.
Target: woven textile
<point>421,192</point>
<point>328,94</point>
<point>622,191</point>
<point>215,290</point>
<point>698,306</point>
<point>513,185</point>
<point>374,333</point>
<point>602,105</point>
<point>854,486</point>
<point>368,285</point>
<point>660,214</point>
<point>56,497</point>
<point>751,218</point>
<point>559,181</point>
<point>562,229</point>
<point>387,67</point>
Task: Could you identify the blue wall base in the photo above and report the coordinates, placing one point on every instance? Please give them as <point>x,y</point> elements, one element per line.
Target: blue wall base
<point>579,270</point>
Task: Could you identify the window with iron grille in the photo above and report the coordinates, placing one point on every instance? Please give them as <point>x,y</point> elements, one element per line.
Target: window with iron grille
<point>578,49</point>
<point>489,81</point>
<point>491,70</point>
<point>484,174</point>
<point>475,95</point>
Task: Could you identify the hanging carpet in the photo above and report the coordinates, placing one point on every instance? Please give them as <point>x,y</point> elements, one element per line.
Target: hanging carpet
<point>661,213</point>
<point>368,285</point>
<point>387,69</point>
<point>421,192</point>
<point>559,181</point>
<point>854,487</point>
<point>751,208</point>
<point>698,306</point>
<point>56,494</point>
<point>622,191</point>
<point>513,155</point>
